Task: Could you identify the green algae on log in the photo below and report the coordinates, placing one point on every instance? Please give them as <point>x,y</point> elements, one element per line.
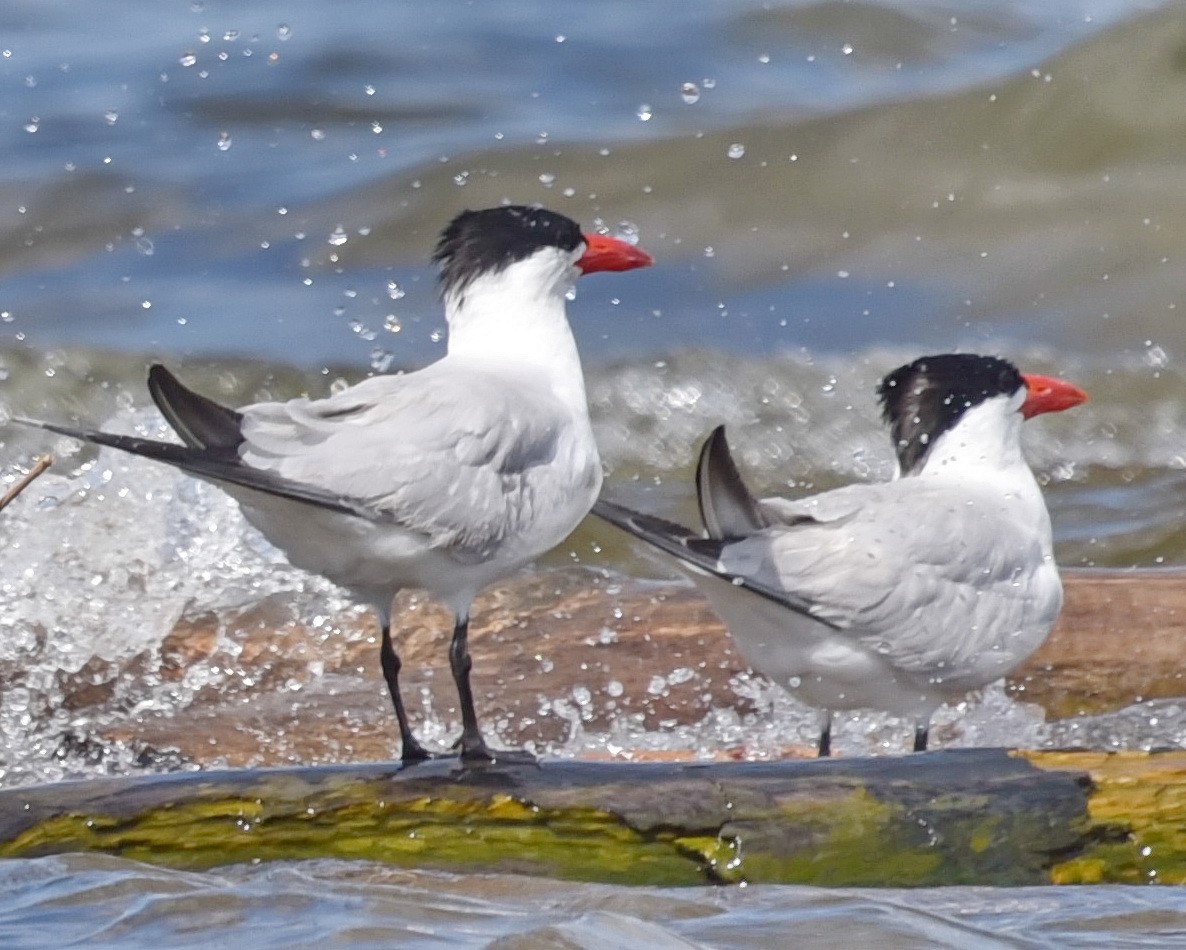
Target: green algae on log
<point>949,817</point>
<point>1137,817</point>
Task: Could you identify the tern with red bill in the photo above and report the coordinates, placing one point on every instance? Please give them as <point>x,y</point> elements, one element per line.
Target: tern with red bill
<point>898,596</point>
<point>446,479</point>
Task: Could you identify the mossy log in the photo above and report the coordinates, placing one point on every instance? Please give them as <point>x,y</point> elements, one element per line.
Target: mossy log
<point>983,816</point>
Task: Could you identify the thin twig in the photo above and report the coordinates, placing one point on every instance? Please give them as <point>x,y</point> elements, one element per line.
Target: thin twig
<point>38,467</point>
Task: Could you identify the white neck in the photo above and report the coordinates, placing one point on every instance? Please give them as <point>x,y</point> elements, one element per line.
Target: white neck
<point>985,448</point>
<point>517,318</point>
<point>986,440</point>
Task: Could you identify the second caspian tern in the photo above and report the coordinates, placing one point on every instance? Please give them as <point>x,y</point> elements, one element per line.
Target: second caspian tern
<point>445,479</point>
<point>896,596</point>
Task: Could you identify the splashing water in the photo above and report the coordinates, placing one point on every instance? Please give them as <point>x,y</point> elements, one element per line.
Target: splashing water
<point>99,568</point>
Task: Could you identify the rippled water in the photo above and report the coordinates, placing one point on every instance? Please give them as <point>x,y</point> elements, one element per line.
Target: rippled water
<point>95,901</point>
<point>829,189</point>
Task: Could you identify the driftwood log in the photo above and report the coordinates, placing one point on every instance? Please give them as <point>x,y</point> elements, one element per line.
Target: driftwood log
<point>984,816</point>
<point>287,692</point>
<point>959,816</point>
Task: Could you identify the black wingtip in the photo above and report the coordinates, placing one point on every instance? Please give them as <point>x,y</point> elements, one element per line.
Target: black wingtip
<point>726,505</point>
<point>656,530</point>
<point>702,554</point>
<point>201,423</point>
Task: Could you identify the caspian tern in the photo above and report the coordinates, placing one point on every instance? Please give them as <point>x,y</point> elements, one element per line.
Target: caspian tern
<point>445,479</point>
<point>897,596</point>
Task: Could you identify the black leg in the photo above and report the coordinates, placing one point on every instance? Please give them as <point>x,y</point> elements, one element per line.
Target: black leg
<point>920,737</point>
<point>825,737</point>
<point>473,746</point>
<point>411,750</point>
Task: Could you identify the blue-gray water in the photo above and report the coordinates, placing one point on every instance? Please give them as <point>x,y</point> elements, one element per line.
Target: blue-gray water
<point>101,902</point>
<point>829,188</point>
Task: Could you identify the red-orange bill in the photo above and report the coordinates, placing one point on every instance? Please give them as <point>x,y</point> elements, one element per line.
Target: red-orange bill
<point>604,253</point>
<point>1049,394</point>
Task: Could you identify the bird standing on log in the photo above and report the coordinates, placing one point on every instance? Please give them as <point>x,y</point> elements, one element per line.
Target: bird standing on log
<point>445,479</point>
<point>897,596</point>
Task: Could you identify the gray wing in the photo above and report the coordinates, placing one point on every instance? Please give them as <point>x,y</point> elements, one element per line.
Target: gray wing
<point>919,574</point>
<point>460,459</point>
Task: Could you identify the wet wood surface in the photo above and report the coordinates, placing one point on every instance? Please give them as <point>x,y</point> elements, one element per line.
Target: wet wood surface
<point>572,649</point>
<point>559,650</point>
<point>972,816</point>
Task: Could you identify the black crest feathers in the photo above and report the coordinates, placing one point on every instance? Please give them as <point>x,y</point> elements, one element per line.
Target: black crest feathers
<point>487,241</point>
<point>926,398</point>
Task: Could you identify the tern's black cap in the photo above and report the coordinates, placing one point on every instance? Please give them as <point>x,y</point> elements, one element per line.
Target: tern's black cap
<point>487,241</point>
<point>926,398</point>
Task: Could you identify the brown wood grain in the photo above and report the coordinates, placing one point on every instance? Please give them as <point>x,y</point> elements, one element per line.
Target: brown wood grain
<point>291,692</point>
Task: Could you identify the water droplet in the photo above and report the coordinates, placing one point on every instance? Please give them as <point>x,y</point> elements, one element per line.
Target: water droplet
<point>709,83</point>
<point>338,237</point>
<point>394,291</point>
<point>1155,356</point>
<point>736,150</point>
<point>627,231</point>
<point>224,141</point>
<point>657,685</point>
<point>436,336</point>
<point>111,117</point>
<point>230,36</point>
<point>369,89</point>
<point>33,124</point>
<point>391,323</point>
<point>644,112</point>
<point>689,92</point>
<point>615,688</point>
<point>318,135</point>
<point>846,49</point>
<point>283,32</point>
<point>581,695</point>
<point>145,246</point>
<point>381,360</point>
<point>547,179</point>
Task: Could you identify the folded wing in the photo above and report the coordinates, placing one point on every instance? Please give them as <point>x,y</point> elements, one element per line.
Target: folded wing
<point>903,566</point>
<point>464,460</point>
